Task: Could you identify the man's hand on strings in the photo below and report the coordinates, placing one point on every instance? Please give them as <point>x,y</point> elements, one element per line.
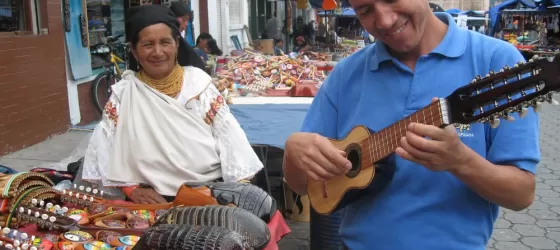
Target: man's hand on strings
<point>434,148</point>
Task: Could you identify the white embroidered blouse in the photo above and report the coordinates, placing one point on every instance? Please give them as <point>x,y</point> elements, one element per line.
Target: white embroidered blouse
<point>237,160</point>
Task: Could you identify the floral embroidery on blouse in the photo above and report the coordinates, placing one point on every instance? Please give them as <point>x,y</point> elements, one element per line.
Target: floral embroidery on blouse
<point>216,104</point>
<point>111,112</point>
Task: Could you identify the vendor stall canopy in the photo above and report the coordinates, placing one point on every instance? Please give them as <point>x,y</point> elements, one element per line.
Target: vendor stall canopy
<point>495,12</point>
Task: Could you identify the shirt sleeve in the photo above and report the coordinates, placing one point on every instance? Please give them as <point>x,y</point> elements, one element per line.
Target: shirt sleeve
<point>322,116</point>
<point>517,142</point>
<point>238,159</point>
<point>98,152</point>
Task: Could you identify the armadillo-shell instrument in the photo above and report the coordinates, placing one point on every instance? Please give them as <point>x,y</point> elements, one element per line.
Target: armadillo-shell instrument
<point>190,237</point>
<point>242,195</point>
<point>254,230</point>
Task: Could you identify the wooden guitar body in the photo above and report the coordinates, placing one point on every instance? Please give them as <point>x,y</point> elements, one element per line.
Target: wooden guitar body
<point>327,197</point>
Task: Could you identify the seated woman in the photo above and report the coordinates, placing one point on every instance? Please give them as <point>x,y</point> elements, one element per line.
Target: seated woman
<point>278,45</point>
<point>201,44</point>
<point>165,123</point>
<point>210,51</point>
<point>301,45</point>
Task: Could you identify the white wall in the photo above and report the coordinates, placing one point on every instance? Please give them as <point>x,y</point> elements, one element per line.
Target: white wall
<point>212,17</point>
<point>237,28</point>
<point>196,20</point>
<point>227,28</point>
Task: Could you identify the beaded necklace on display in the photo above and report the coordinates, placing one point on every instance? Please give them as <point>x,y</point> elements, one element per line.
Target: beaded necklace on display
<point>170,85</point>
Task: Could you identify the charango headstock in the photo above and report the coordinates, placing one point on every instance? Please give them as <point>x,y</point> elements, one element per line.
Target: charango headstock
<point>498,95</point>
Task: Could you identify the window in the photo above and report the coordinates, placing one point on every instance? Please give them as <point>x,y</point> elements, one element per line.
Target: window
<point>23,17</point>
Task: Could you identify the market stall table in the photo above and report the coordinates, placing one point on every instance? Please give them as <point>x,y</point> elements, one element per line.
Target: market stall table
<point>268,121</point>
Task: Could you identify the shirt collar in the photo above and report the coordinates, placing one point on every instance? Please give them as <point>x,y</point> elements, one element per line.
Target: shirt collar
<point>453,45</point>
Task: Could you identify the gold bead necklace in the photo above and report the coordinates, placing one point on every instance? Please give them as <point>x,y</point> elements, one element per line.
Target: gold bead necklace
<point>170,85</point>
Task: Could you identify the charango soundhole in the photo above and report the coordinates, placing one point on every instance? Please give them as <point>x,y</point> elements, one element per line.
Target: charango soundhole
<point>353,154</point>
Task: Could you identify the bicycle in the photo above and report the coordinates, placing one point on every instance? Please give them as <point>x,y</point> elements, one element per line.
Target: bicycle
<point>101,86</point>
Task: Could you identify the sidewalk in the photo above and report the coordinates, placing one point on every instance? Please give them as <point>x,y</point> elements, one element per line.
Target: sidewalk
<point>51,151</point>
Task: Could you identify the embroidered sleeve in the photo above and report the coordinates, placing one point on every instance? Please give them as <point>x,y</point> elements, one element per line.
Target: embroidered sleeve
<point>238,159</point>
<point>100,145</point>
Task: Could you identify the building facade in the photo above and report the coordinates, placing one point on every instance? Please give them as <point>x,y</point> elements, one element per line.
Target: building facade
<point>210,16</point>
<point>33,91</point>
<point>463,4</point>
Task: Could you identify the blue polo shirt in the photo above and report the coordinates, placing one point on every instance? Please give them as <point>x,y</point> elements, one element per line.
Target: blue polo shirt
<point>421,209</point>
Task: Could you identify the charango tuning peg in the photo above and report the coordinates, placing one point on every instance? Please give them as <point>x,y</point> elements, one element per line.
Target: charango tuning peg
<point>537,106</point>
<point>82,188</point>
<point>508,117</point>
<point>88,189</point>
<point>494,122</point>
<point>522,110</point>
<point>476,78</point>
<point>550,100</point>
<point>75,186</point>
<point>95,191</point>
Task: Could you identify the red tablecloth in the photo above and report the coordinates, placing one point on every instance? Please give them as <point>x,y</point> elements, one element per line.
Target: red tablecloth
<point>277,226</point>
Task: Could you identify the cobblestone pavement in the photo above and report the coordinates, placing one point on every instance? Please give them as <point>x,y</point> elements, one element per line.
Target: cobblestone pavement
<point>537,227</point>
